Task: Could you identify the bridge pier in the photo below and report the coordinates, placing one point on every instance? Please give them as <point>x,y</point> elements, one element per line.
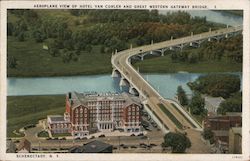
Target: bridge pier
<point>115,73</point>
<point>123,82</point>
<point>133,91</point>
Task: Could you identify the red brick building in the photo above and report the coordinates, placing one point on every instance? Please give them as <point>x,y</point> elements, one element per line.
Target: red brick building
<point>89,113</point>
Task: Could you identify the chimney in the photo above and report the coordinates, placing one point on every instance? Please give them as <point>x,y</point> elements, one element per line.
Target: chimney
<point>69,95</point>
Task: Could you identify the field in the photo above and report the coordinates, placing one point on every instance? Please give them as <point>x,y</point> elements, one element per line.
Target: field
<point>26,110</point>
<point>166,65</point>
<point>34,61</point>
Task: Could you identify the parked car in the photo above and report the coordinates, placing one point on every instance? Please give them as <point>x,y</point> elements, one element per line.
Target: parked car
<point>101,136</point>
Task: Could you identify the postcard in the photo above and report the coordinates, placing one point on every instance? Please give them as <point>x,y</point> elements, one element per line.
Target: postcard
<point>125,80</point>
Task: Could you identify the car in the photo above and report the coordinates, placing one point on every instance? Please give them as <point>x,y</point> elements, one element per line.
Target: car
<point>121,145</point>
<point>152,144</point>
<point>114,147</point>
<point>101,136</point>
<point>141,134</point>
<point>48,138</point>
<point>34,149</point>
<point>132,135</point>
<point>92,137</point>
<point>63,138</point>
<point>133,146</point>
<point>56,138</point>
<point>84,138</point>
<point>77,138</point>
<point>53,149</point>
<point>125,147</point>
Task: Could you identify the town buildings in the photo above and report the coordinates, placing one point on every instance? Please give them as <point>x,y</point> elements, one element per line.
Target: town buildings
<point>221,126</point>
<point>93,147</point>
<point>87,113</point>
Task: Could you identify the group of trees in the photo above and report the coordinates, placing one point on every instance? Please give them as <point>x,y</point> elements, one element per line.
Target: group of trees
<point>232,104</point>
<point>230,49</point>
<point>111,29</point>
<point>196,104</point>
<point>178,142</point>
<point>217,85</point>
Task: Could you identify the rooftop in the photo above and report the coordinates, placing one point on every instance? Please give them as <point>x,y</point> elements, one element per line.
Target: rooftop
<point>84,98</point>
<point>91,147</point>
<point>214,101</point>
<point>56,118</point>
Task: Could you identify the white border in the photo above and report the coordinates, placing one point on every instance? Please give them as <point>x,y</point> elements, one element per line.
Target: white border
<point>211,4</point>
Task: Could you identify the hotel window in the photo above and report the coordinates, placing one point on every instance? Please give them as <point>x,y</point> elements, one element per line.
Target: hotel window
<point>81,110</point>
<point>76,111</point>
<point>85,120</point>
<point>76,120</point>
<point>129,109</point>
<point>85,110</point>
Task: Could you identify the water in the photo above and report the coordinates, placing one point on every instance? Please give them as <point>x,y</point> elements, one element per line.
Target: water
<point>166,84</point>
<point>213,16</point>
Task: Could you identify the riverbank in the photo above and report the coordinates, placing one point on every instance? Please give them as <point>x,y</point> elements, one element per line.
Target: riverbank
<point>27,110</point>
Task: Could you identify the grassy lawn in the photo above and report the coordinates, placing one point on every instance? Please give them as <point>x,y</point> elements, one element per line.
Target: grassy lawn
<point>183,115</point>
<point>61,135</point>
<point>25,110</point>
<point>165,65</point>
<point>170,116</point>
<point>157,116</point>
<point>30,54</point>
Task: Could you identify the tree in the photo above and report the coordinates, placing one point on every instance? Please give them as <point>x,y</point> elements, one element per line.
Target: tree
<point>197,104</point>
<point>208,135</point>
<point>10,29</point>
<point>11,62</point>
<point>20,36</point>
<point>177,141</point>
<point>182,97</point>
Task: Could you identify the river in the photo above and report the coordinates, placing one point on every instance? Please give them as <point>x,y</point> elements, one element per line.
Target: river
<point>165,83</point>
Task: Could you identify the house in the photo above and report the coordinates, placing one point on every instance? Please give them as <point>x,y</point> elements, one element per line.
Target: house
<point>24,146</point>
<point>212,104</point>
<point>93,147</point>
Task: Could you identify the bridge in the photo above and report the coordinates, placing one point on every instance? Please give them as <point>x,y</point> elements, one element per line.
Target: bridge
<point>161,109</point>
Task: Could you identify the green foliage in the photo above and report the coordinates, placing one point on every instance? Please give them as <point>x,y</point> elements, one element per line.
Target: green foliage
<point>11,62</point>
<point>232,104</point>
<point>208,135</point>
<point>217,85</point>
<point>43,134</point>
<point>197,105</point>
<point>182,97</point>
<point>177,141</point>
